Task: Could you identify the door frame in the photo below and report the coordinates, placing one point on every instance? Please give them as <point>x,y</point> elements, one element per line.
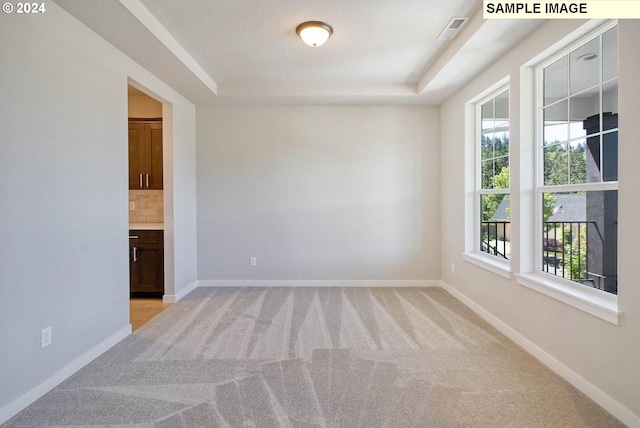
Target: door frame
<point>169,295</point>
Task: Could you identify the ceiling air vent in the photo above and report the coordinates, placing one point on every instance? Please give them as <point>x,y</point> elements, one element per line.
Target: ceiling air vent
<point>452,28</point>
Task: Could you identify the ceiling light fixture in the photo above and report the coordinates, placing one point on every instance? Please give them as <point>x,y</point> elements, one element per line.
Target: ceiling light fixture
<point>314,33</point>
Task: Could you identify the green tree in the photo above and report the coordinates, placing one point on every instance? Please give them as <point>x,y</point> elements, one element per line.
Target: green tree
<point>495,157</point>
<point>564,166</point>
<point>548,205</point>
<point>491,202</point>
<point>577,252</point>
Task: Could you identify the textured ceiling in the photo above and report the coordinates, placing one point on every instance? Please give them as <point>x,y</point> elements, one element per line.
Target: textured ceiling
<point>381,51</point>
<point>248,41</point>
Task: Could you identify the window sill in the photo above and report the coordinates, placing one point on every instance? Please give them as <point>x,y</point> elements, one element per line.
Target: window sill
<point>493,264</point>
<point>595,302</point>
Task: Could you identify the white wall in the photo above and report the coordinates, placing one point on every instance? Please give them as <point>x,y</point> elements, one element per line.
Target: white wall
<point>180,202</point>
<point>63,197</point>
<point>318,193</point>
<point>603,356</point>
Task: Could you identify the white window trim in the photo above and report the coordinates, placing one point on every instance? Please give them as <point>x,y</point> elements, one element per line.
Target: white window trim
<point>491,263</point>
<point>592,301</point>
<point>472,253</point>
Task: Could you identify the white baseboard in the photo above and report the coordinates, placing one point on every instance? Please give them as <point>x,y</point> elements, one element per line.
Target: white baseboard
<point>172,298</point>
<point>319,283</point>
<point>596,394</point>
<point>13,408</point>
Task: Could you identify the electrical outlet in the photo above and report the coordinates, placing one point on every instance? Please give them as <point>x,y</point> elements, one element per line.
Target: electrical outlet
<point>132,205</point>
<point>46,337</point>
<point>252,261</point>
<point>453,268</point>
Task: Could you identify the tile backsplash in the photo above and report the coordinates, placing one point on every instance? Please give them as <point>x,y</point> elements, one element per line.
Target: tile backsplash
<point>149,206</point>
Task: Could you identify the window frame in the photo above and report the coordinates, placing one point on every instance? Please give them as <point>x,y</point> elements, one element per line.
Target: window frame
<point>594,301</point>
<point>473,253</point>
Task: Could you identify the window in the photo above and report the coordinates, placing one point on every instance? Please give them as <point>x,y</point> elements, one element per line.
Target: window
<point>492,165</point>
<point>577,183</point>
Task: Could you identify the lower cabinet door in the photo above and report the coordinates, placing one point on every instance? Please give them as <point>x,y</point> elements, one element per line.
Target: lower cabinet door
<point>147,268</point>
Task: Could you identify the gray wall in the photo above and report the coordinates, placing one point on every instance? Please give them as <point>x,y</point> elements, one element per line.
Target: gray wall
<point>318,193</point>
<point>181,197</point>
<point>63,194</point>
<point>604,355</point>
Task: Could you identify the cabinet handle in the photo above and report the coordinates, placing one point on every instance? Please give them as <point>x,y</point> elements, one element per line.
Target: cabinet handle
<point>140,180</point>
<point>133,236</point>
<point>135,254</point>
<point>147,180</point>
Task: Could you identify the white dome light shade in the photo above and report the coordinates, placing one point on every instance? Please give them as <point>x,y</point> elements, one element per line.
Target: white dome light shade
<point>314,33</point>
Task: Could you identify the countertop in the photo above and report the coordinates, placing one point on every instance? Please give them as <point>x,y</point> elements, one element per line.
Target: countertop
<point>146,226</point>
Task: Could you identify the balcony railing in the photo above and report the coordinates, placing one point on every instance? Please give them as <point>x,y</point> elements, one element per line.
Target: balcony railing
<point>565,250</point>
<point>494,238</point>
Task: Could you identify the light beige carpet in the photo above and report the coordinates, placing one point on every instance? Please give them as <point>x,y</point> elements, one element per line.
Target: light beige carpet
<point>315,357</point>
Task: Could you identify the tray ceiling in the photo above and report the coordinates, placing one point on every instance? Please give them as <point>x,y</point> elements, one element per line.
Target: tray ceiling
<point>381,51</point>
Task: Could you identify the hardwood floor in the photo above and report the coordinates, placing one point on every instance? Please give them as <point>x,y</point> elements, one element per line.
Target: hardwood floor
<point>142,310</point>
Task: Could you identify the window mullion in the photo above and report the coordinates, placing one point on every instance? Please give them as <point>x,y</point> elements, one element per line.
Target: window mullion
<point>494,191</point>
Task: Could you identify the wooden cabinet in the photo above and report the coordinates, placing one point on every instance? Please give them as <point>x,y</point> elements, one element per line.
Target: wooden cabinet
<point>145,155</point>
<point>146,263</point>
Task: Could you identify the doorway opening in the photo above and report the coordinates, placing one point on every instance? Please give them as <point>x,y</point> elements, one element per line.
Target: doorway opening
<point>146,207</point>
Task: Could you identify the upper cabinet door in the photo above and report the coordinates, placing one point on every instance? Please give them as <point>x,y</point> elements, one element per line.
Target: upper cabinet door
<point>145,156</point>
<point>136,156</point>
<point>154,159</point>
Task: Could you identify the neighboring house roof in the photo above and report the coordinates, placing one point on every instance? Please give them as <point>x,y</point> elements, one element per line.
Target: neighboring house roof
<point>501,211</point>
<point>569,207</point>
